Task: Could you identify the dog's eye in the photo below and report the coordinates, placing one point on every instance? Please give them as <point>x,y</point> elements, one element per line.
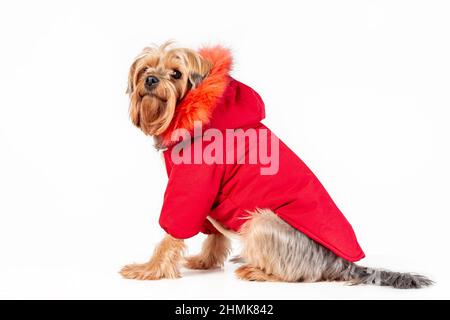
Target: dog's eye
<point>176,74</point>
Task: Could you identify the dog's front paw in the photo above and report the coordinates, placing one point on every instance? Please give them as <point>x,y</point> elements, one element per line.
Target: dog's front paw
<point>149,271</point>
<point>200,262</point>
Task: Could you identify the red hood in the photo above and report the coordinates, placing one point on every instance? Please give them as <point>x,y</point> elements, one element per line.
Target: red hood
<point>219,102</point>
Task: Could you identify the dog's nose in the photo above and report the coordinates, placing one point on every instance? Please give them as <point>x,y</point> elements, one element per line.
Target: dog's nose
<point>151,81</point>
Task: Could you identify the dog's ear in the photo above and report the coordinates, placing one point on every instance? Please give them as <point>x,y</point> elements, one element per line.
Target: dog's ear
<point>195,79</point>
<point>198,67</point>
<point>132,73</point>
<point>134,107</point>
<point>135,114</point>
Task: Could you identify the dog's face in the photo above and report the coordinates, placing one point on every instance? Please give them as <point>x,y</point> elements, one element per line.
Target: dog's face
<point>158,79</point>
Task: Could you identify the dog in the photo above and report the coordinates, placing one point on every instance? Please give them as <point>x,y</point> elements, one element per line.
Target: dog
<point>289,227</point>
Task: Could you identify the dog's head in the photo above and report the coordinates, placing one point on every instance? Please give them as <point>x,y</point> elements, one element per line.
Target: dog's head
<point>158,79</point>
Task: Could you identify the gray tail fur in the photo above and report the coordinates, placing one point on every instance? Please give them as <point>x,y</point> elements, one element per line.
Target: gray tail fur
<point>362,275</point>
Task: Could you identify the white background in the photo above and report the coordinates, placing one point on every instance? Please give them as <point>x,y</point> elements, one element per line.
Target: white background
<point>360,90</point>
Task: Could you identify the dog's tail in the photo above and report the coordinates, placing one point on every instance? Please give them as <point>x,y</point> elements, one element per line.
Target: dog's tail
<point>356,274</point>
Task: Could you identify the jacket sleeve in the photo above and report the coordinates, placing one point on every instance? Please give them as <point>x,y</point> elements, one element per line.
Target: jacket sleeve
<point>189,197</point>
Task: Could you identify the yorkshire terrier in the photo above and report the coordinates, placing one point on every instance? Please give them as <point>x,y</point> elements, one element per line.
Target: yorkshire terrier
<point>288,225</point>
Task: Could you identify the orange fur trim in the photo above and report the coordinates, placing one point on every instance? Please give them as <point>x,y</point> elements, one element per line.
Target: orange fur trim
<point>199,103</point>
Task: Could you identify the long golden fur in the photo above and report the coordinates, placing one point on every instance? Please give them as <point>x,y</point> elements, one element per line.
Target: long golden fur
<point>215,251</point>
<point>163,263</point>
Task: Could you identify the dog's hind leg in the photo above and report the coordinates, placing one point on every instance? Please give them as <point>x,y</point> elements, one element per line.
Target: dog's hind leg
<point>251,273</point>
<point>280,252</point>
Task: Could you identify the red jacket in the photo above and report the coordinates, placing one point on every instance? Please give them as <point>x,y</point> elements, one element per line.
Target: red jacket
<point>226,192</point>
